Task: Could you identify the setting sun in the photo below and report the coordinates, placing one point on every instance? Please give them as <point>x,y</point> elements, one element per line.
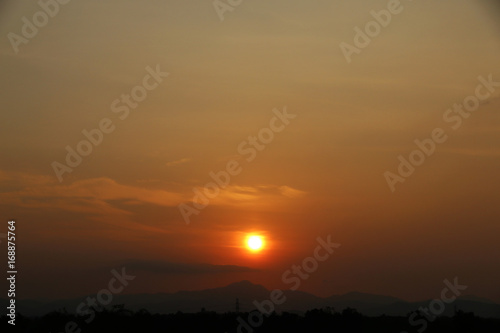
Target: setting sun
<point>255,243</point>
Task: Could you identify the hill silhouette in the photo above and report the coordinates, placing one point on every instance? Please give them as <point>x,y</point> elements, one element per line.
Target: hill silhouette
<point>223,300</point>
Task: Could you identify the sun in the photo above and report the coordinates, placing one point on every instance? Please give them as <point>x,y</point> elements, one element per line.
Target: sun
<point>255,243</point>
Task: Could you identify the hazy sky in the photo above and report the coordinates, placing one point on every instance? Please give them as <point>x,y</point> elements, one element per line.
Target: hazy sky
<point>323,174</point>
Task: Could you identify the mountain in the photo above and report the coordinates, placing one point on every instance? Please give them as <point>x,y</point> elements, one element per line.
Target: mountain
<point>224,300</point>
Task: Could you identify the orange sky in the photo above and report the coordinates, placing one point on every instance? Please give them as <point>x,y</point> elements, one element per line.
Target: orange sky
<point>322,174</point>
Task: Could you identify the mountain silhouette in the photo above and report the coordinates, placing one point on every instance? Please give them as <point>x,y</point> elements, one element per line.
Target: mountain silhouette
<point>223,299</point>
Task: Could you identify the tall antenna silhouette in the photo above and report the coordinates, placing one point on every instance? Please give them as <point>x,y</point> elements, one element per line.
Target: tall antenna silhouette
<point>237,306</point>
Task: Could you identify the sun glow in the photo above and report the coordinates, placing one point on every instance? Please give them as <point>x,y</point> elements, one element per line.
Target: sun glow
<point>255,243</point>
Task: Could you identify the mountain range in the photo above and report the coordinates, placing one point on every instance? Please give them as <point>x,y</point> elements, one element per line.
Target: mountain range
<point>223,299</point>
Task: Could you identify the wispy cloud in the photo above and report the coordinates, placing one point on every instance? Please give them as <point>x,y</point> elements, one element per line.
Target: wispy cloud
<point>163,267</point>
<point>264,196</point>
<point>473,152</point>
<point>290,192</point>
<point>92,195</point>
<point>177,162</point>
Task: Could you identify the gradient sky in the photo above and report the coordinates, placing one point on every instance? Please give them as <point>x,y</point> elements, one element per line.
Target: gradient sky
<point>322,175</point>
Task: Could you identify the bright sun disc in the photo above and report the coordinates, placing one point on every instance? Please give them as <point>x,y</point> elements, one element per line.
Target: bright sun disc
<point>255,243</point>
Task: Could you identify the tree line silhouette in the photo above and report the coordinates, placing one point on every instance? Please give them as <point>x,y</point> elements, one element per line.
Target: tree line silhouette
<point>120,319</point>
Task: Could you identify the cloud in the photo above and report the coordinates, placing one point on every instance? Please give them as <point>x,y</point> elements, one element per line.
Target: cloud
<point>106,198</point>
<point>177,162</point>
<point>163,267</point>
<point>473,152</point>
<point>94,195</point>
<point>263,196</point>
<point>290,192</point>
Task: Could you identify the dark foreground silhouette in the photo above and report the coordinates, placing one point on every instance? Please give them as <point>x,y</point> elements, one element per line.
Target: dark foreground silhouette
<point>119,319</point>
